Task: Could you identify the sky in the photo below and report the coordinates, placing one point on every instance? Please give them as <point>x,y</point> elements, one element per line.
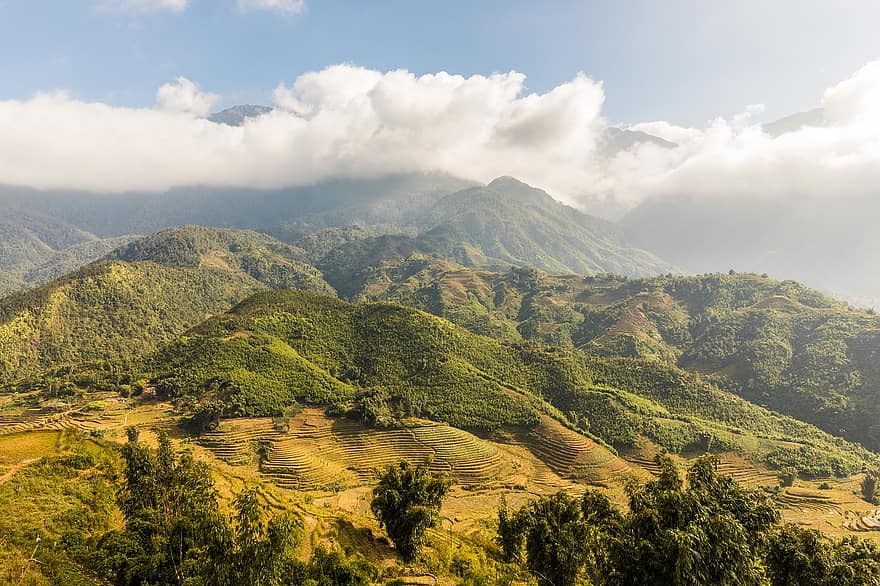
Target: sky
<point>111,95</point>
<point>683,61</point>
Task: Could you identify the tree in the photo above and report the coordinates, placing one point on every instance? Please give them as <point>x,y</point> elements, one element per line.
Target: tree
<point>869,486</point>
<point>708,531</point>
<point>512,527</point>
<point>174,532</point>
<point>256,551</point>
<point>171,517</point>
<point>562,537</point>
<point>798,556</point>
<point>330,568</point>
<point>407,503</point>
<point>555,540</point>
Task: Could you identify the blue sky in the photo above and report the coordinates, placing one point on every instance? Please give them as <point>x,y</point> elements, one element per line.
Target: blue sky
<point>685,61</point>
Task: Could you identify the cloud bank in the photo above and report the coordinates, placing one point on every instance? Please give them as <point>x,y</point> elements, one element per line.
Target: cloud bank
<point>185,97</point>
<point>346,121</point>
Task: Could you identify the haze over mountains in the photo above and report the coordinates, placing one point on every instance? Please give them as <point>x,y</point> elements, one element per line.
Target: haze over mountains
<point>742,190</point>
<point>501,224</point>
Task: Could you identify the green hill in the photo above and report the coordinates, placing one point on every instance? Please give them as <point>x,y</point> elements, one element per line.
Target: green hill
<point>36,249</point>
<point>776,343</point>
<point>497,225</point>
<point>378,360</point>
<point>147,292</point>
<point>506,223</point>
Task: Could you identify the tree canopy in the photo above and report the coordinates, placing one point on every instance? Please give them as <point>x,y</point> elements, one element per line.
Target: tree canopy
<point>407,504</point>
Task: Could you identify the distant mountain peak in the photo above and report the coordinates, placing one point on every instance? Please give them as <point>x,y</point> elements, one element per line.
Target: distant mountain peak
<point>795,122</point>
<point>518,190</point>
<point>616,140</point>
<point>238,115</point>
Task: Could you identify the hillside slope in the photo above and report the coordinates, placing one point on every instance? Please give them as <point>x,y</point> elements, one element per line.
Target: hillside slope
<point>146,292</point>
<point>37,249</point>
<point>506,223</point>
<point>380,361</point>
<point>497,225</point>
<point>776,343</point>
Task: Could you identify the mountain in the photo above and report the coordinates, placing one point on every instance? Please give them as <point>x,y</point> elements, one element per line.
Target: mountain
<point>506,223</point>
<point>141,295</point>
<point>35,249</point>
<point>385,202</point>
<point>775,343</point>
<point>8,284</point>
<point>795,122</point>
<point>378,359</point>
<point>238,115</point>
<point>616,140</point>
<point>500,224</point>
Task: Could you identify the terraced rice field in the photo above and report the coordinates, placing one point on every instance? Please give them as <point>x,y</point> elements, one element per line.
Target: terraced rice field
<point>867,522</point>
<point>237,440</point>
<point>573,456</point>
<point>745,472</point>
<point>319,453</point>
<point>322,453</point>
<point>47,419</point>
<point>806,500</point>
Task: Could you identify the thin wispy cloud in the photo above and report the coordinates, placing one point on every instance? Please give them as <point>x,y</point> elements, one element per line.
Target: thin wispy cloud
<point>283,7</point>
<point>143,6</point>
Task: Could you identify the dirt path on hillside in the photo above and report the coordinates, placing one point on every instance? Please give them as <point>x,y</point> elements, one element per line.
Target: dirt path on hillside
<point>15,469</point>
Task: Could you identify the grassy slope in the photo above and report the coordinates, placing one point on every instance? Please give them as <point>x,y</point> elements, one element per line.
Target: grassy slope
<point>62,494</point>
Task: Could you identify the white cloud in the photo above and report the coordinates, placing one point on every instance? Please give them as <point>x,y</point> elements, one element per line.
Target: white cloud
<point>354,122</point>
<point>143,5</point>
<point>185,97</point>
<point>285,7</point>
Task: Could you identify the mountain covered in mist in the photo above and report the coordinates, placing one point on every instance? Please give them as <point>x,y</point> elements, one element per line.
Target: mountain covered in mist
<point>497,225</point>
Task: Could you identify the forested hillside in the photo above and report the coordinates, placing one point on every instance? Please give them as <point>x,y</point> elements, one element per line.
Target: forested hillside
<point>776,343</point>
<point>379,359</point>
<point>497,225</point>
<point>37,249</point>
<point>154,289</point>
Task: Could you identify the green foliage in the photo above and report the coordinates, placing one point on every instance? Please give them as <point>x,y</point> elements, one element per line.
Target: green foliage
<point>868,486</point>
<point>777,344</point>
<point>172,521</point>
<point>331,568</point>
<point>278,348</point>
<point>797,556</point>
<point>407,504</point>
<point>36,249</point>
<point>709,530</point>
<point>174,532</point>
<point>555,540</point>
<point>257,552</point>
<point>53,508</point>
<point>115,309</point>
<point>382,362</point>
